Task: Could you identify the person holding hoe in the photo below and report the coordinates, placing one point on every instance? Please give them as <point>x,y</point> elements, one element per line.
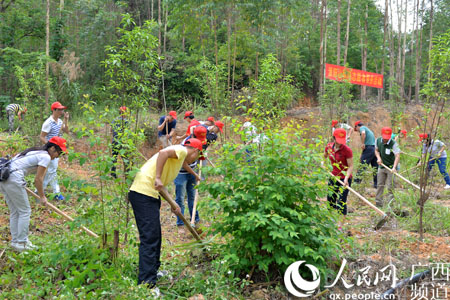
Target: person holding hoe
<point>189,115</point>
<point>52,127</point>
<point>157,172</point>
<point>341,158</point>
<point>368,154</point>
<point>32,160</point>
<point>166,128</point>
<point>388,154</point>
<point>436,148</point>
<point>11,111</point>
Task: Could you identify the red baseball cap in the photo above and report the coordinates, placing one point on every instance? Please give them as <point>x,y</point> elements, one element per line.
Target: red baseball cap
<point>211,119</point>
<point>357,123</point>
<point>340,135</point>
<point>195,143</point>
<point>59,141</point>
<point>404,132</point>
<point>188,114</point>
<point>200,133</point>
<point>57,105</point>
<point>173,114</point>
<point>386,133</point>
<point>422,136</point>
<point>334,123</point>
<point>123,109</point>
<point>220,125</point>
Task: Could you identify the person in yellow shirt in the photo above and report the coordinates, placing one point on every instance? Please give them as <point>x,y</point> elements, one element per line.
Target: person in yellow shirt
<point>156,173</point>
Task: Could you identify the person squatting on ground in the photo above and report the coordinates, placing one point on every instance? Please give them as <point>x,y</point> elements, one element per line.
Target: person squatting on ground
<point>30,161</point>
<point>436,148</point>
<point>189,115</point>
<point>186,179</point>
<point>341,158</point>
<point>11,111</point>
<point>166,128</point>
<point>368,154</point>
<point>118,127</point>
<point>157,172</point>
<point>349,129</point>
<point>52,127</point>
<point>387,152</point>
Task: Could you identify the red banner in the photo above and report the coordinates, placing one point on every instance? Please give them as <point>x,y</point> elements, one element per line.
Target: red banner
<point>354,76</point>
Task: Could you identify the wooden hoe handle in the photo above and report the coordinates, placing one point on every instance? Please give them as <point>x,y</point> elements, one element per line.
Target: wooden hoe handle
<point>61,213</point>
<point>395,173</point>
<point>165,194</point>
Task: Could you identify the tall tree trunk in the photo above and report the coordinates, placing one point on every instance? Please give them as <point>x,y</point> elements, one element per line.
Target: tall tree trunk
<point>325,44</point>
<point>228,47</point>
<point>399,45</point>
<point>47,52</point>
<point>321,51</point>
<point>391,52</point>
<point>386,13</point>
<point>364,56</point>
<point>183,39</point>
<point>431,40</point>
<point>152,9</point>
<point>166,15</point>
<point>61,7</point>
<point>213,23</point>
<point>149,13</point>
<point>338,38</point>
<point>347,32</point>
<point>402,78</point>
<point>412,51</point>
<point>159,27</point>
<point>418,55</point>
<point>234,65</point>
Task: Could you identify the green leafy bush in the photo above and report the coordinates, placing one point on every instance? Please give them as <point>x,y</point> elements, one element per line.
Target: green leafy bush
<point>267,205</point>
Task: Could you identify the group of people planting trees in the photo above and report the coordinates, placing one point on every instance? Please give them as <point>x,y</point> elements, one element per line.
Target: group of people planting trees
<point>179,159</point>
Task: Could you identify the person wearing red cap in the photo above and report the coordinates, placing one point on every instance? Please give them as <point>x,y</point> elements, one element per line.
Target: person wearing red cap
<point>166,128</point>
<point>118,128</point>
<point>349,129</point>
<point>52,127</point>
<point>401,134</point>
<point>209,122</point>
<point>11,111</point>
<point>436,148</point>
<point>368,154</point>
<point>388,153</point>
<point>341,158</point>
<point>185,181</point>
<point>30,161</point>
<point>189,115</point>
<point>157,172</point>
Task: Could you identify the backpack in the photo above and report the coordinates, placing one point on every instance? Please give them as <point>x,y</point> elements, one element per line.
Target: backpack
<point>5,168</point>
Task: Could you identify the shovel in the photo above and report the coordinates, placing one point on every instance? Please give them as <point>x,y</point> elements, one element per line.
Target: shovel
<point>194,209</point>
<point>385,216</point>
<point>395,173</point>
<point>61,213</point>
<point>163,192</point>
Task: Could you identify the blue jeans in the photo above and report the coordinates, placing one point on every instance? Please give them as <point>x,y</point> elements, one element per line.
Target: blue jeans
<point>442,164</point>
<point>146,213</point>
<point>185,183</point>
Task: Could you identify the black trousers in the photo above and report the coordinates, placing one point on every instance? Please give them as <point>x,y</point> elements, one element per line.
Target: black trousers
<point>338,199</point>
<point>146,213</point>
<point>368,158</point>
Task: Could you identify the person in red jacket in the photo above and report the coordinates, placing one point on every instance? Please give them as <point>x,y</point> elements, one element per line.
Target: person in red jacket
<point>341,158</point>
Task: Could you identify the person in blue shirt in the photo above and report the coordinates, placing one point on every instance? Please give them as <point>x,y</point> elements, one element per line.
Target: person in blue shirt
<point>368,154</point>
<point>166,128</point>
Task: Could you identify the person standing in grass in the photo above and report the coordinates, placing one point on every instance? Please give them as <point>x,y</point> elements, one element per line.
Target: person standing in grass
<point>368,154</point>
<point>387,153</point>
<point>166,128</point>
<point>52,127</point>
<point>30,161</point>
<point>11,111</point>
<point>341,159</point>
<point>436,148</point>
<point>157,172</point>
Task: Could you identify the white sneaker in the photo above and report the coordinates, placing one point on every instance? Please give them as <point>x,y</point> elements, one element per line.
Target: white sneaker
<point>30,246</point>
<point>19,247</point>
<point>155,292</point>
<point>447,187</point>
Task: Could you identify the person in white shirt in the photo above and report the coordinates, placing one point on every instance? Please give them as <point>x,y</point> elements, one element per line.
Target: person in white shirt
<point>52,127</point>
<point>436,148</point>
<point>33,160</point>
<point>349,129</point>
